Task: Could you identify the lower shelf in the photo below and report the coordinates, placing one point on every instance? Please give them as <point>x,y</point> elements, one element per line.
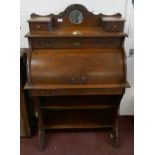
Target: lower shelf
<point>76,126</point>
<point>72,119</point>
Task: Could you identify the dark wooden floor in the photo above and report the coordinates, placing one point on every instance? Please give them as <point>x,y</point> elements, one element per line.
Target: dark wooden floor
<point>84,142</point>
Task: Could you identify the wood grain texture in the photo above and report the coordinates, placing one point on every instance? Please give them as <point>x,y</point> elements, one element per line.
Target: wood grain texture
<point>76,42</point>
<point>76,72</point>
<point>77,66</point>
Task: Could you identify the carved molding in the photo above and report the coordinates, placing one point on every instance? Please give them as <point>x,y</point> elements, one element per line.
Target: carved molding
<point>72,7</point>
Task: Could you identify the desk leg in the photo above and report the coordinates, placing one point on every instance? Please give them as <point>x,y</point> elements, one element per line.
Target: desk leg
<point>114,134</point>
<point>41,131</point>
<point>41,139</point>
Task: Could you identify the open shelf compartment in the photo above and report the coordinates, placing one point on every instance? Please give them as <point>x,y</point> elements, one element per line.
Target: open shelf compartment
<point>80,102</point>
<point>62,119</point>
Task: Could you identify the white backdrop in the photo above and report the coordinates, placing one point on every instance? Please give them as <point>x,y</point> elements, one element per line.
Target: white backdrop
<point>124,7</point>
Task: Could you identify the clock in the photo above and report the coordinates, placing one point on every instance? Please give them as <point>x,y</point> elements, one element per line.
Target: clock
<point>76,17</point>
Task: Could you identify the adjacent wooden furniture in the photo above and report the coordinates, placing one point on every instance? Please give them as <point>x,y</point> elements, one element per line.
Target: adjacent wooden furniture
<point>76,69</point>
<point>26,109</point>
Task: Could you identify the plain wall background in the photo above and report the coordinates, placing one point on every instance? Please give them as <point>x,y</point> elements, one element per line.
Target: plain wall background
<point>106,7</point>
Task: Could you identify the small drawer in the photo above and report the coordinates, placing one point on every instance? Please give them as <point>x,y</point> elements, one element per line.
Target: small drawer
<point>76,43</point>
<point>40,43</point>
<point>113,24</point>
<point>40,24</point>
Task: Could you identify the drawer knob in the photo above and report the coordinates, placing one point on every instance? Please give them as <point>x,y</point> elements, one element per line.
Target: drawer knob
<point>38,26</point>
<point>76,44</point>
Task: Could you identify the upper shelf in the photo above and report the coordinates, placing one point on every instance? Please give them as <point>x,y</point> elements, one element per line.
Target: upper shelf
<point>76,21</point>
<point>76,32</point>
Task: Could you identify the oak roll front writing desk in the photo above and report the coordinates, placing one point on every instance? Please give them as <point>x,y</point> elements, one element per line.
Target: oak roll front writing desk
<point>76,68</point>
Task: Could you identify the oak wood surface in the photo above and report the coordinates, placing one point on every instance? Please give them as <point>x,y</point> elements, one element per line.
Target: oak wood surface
<point>76,72</point>
<point>78,32</point>
<point>76,42</point>
<point>77,66</point>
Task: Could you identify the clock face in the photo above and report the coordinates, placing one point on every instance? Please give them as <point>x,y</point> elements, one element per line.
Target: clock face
<point>76,17</point>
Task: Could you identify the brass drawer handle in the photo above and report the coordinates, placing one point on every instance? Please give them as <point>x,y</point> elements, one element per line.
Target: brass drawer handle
<point>78,80</point>
<point>49,43</point>
<point>38,26</point>
<point>73,79</point>
<point>114,26</point>
<point>83,79</point>
<point>76,44</point>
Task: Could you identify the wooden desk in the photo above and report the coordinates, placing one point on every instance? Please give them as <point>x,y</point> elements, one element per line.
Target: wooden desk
<point>76,69</point>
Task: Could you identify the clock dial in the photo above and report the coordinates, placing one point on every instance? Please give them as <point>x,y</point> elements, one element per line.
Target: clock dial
<point>76,16</point>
